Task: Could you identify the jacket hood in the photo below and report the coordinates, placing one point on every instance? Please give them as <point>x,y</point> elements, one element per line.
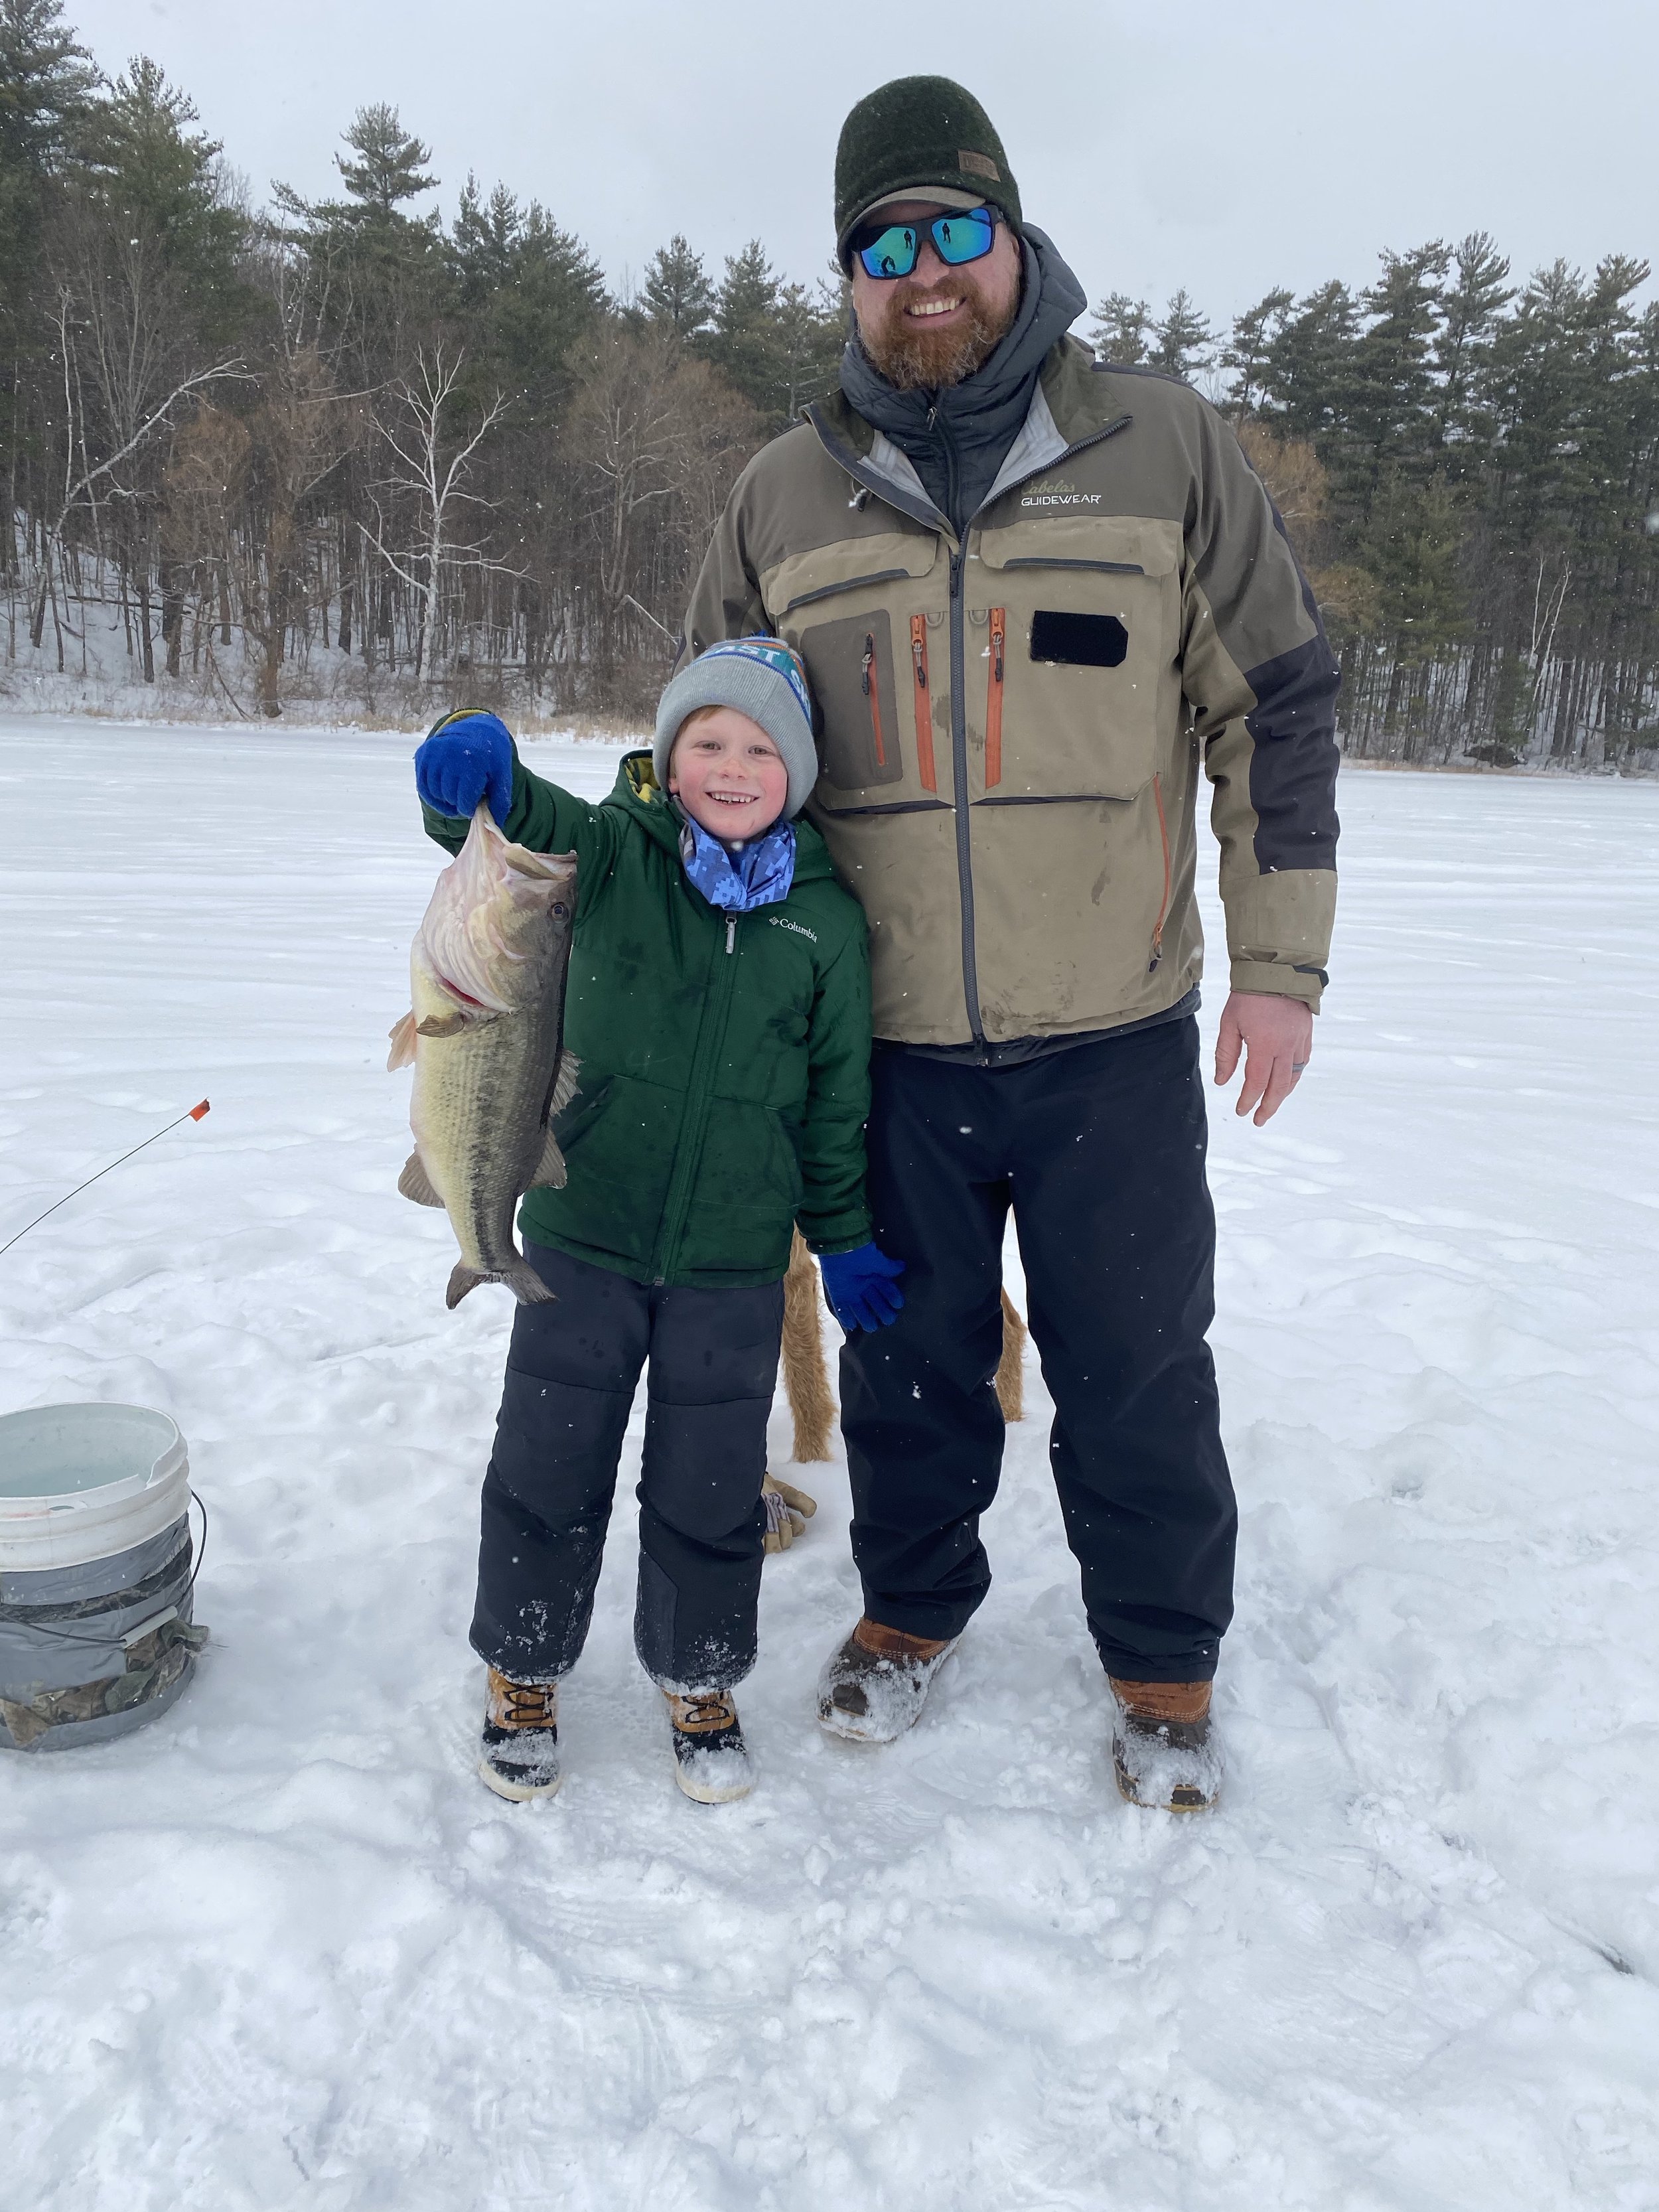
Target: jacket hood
<point>637,792</point>
<point>988,407</point>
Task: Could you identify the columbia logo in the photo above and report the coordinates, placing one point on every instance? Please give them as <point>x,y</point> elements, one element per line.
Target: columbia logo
<point>778,922</point>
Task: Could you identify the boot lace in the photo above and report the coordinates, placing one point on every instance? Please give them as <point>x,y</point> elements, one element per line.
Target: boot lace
<point>704,1712</point>
<point>527,1706</point>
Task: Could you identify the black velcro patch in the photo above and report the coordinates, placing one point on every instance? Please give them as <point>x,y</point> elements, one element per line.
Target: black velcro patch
<point>1078,640</point>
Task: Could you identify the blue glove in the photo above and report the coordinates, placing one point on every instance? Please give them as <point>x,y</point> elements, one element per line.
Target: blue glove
<point>464,760</point>
<point>862,1287</point>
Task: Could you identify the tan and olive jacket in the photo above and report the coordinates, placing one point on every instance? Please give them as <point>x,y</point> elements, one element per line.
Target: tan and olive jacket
<point>1011,728</point>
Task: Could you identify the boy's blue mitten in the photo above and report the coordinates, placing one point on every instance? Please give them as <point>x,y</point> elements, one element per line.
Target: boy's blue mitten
<point>862,1287</point>
<point>467,758</point>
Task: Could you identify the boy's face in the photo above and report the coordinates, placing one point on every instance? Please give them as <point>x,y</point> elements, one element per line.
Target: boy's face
<point>728,775</point>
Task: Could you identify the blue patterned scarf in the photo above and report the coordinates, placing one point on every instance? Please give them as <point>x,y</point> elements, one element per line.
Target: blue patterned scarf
<point>759,873</point>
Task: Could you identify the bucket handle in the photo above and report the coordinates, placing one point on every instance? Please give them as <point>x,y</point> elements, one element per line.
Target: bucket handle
<point>101,1643</point>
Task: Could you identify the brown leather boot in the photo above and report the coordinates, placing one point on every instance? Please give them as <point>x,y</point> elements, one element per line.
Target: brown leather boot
<point>1163,1751</point>
<point>875,1686</point>
<point>520,1759</point>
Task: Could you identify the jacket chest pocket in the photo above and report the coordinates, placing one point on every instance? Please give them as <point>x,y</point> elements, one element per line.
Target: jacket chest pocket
<point>1076,660</point>
<point>850,667</point>
<point>862,617</point>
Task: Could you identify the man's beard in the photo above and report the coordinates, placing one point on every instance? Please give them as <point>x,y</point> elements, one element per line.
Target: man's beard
<point>914,358</point>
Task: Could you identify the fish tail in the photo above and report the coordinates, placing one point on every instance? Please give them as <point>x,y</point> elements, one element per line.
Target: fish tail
<point>521,1277</point>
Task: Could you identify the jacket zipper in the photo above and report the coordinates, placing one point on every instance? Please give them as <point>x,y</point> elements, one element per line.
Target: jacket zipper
<point>1163,908</point>
<point>994,700</point>
<point>924,767</point>
<point>959,798</point>
<point>710,1040</point>
<point>871,675</point>
<point>929,515</point>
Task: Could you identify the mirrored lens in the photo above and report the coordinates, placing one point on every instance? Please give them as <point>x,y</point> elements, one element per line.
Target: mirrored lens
<point>963,237</point>
<point>890,253</point>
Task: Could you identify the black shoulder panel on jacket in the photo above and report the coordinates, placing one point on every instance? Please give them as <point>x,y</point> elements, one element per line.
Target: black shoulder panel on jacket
<point>1293,765</point>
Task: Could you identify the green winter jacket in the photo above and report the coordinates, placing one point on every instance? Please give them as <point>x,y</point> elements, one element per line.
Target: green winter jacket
<point>725,1059</point>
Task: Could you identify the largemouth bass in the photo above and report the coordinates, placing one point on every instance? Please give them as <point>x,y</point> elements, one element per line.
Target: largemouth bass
<point>486,1035</point>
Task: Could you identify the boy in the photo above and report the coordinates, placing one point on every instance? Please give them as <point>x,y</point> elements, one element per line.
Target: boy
<point>719,1004</point>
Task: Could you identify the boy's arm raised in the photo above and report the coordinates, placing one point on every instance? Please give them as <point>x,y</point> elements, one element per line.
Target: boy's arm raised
<point>470,757</point>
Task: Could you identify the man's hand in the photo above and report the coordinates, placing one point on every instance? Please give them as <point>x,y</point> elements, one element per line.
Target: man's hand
<point>1275,1035</point>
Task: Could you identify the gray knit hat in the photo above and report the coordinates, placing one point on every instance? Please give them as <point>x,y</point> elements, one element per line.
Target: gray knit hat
<point>761,677</point>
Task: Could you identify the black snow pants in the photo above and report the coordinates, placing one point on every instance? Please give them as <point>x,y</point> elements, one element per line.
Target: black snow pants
<point>571,1371</point>
<point>1100,1152</point>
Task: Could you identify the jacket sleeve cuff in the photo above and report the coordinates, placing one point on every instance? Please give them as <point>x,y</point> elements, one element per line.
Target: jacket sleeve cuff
<point>1281,980</point>
<point>843,1239</point>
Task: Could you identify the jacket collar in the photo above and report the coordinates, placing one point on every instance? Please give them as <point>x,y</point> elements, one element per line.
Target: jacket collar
<point>1071,407</point>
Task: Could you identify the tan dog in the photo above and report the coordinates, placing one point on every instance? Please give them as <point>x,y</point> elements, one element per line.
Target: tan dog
<point>806,1386</point>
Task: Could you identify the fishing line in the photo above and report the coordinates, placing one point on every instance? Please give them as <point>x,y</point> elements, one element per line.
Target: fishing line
<point>194,1114</point>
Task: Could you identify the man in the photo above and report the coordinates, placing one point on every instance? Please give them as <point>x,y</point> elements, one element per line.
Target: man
<point>1035,594</point>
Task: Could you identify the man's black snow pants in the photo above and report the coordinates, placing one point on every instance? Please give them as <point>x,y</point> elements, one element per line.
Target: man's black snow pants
<point>1100,1152</point>
<point>571,1372</point>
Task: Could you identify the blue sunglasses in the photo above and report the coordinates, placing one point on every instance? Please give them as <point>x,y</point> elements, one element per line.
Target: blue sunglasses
<point>893,249</point>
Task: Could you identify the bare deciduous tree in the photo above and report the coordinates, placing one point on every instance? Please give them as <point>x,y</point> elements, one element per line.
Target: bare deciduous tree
<point>433,487</point>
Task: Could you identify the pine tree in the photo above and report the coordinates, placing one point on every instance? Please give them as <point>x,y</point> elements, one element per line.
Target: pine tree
<point>1119,332</point>
<point>393,167</point>
<point>1470,307</point>
<point>743,344</point>
<point>531,291</point>
<point>47,81</point>
<point>810,332</point>
<point>155,180</point>
<point>677,295</point>
<point>1391,394</point>
<point>1306,376</point>
<point>1182,340</point>
<point>1246,354</point>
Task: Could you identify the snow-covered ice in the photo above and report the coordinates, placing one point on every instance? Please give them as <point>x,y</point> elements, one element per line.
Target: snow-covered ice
<point>282,1949</point>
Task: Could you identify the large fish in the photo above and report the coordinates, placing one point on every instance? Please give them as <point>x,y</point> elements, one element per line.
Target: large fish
<point>486,1034</point>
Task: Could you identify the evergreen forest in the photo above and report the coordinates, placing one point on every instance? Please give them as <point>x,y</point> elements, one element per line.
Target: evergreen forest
<point>343,448</point>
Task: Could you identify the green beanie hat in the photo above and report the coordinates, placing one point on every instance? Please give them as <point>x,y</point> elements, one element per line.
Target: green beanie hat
<point>915,134</point>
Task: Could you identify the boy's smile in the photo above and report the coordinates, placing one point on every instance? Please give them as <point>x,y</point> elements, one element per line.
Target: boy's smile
<point>727,775</point>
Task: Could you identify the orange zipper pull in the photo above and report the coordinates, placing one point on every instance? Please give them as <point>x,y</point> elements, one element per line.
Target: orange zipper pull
<point>993,700</point>
<point>924,717</point>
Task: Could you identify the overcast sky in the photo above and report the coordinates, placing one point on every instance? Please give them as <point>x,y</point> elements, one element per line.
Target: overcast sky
<point>1227,147</point>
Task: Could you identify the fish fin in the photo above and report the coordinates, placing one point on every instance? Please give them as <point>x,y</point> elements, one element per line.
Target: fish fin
<point>551,1174</point>
<point>415,1182</point>
<point>451,1024</point>
<point>564,1084</point>
<point>403,1043</point>
<point>521,1277</point>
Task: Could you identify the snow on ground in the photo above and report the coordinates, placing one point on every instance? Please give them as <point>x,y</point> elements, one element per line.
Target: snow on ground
<point>282,1950</point>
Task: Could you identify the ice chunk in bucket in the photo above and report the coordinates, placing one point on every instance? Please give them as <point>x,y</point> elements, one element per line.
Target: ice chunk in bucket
<point>95,1630</point>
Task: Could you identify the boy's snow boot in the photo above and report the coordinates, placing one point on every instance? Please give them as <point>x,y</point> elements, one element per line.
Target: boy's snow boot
<point>711,1759</point>
<point>1163,1751</point>
<point>875,1686</point>
<point>521,1755</point>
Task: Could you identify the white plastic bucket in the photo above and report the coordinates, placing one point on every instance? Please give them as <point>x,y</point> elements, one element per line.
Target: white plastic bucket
<point>96,1633</point>
<point>79,1483</point>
